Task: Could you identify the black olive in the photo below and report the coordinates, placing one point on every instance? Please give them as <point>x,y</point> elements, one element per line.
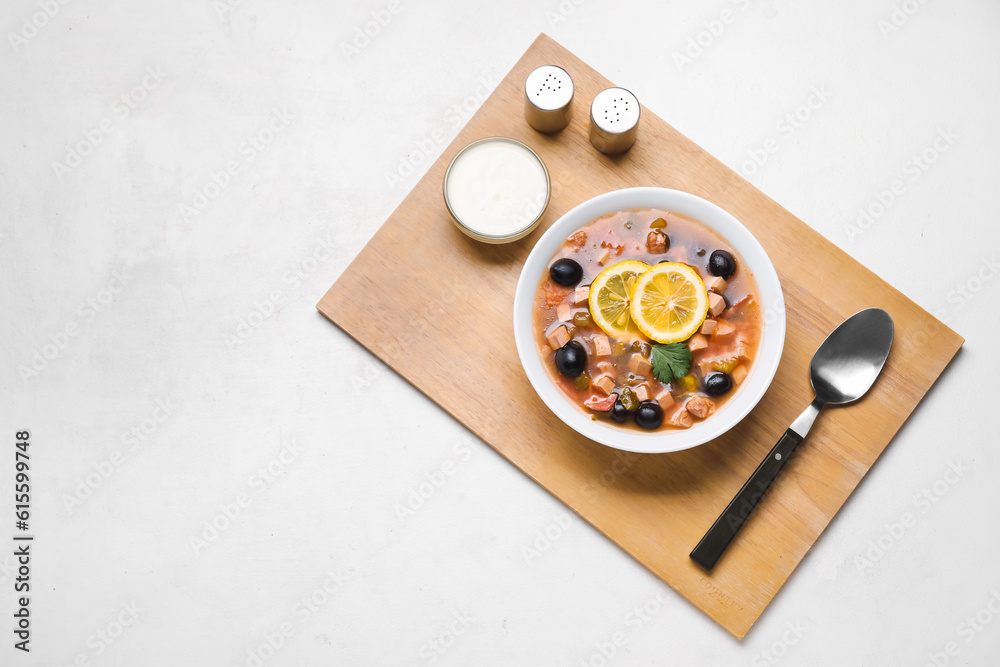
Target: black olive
<point>722,264</point>
<point>566,272</point>
<point>618,412</point>
<point>649,415</point>
<point>571,359</point>
<point>717,384</point>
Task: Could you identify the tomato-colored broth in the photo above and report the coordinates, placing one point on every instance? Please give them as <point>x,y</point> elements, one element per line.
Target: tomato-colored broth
<point>730,349</point>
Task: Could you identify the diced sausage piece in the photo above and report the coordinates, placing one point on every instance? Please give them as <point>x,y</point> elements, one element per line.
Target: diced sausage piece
<point>656,242</point>
<point>739,374</point>
<point>742,353</point>
<point>680,418</point>
<point>601,404</point>
<point>581,295</point>
<point>707,327</point>
<point>716,284</point>
<point>697,342</point>
<point>559,337</point>
<point>639,365</point>
<point>679,254</point>
<point>604,384</point>
<point>665,399</point>
<point>724,328</point>
<point>700,406</point>
<point>577,239</point>
<point>606,367</point>
<point>564,312</point>
<point>716,304</point>
<point>604,256</point>
<point>602,346</point>
<point>641,392</point>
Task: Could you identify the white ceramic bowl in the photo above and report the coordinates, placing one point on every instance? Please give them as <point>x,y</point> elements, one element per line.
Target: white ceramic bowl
<point>750,390</point>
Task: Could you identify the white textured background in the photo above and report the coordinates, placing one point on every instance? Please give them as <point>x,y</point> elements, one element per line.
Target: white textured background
<point>216,319</point>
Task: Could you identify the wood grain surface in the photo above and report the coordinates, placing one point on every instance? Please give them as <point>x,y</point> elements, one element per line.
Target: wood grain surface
<point>457,302</point>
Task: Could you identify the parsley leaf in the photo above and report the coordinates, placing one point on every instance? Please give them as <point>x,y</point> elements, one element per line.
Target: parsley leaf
<point>671,361</point>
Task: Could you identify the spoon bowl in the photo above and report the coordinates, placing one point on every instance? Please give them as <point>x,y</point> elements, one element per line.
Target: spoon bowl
<point>846,364</point>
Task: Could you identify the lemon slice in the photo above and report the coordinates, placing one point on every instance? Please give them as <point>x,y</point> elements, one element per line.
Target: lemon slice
<point>670,302</point>
<point>610,295</point>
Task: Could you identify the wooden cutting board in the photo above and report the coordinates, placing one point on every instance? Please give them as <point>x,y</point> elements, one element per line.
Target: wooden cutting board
<point>447,330</point>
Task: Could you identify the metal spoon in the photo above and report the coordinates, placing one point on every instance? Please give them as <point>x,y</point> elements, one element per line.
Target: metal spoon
<point>842,370</point>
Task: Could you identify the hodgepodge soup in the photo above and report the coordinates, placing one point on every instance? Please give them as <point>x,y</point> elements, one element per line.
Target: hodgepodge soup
<point>647,319</point>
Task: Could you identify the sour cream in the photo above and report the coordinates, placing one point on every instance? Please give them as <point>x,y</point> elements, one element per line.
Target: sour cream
<point>496,190</point>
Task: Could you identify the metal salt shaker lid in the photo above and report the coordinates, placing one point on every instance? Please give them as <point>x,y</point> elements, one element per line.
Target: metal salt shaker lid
<point>548,92</point>
<point>614,120</point>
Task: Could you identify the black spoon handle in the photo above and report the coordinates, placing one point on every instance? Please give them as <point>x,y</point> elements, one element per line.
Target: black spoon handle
<point>732,518</point>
